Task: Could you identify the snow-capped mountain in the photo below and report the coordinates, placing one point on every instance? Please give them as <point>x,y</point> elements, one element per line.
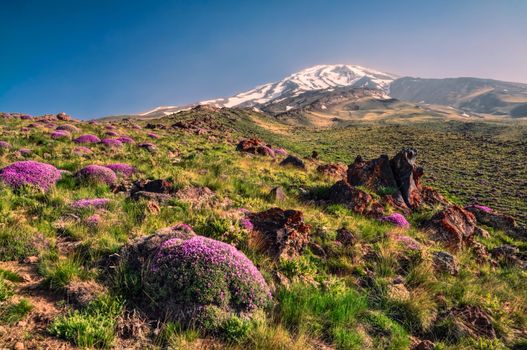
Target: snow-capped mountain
<point>314,78</point>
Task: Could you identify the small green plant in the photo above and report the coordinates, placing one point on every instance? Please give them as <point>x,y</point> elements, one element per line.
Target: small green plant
<point>235,329</point>
<point>6,290</point>
<point>13,313</point>
<point>92,327</point>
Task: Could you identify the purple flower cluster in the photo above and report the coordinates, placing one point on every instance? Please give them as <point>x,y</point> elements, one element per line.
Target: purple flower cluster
<point>97,174</point>
<point>247,224</point>
<point>281,152</point>
<point>111,133</point>
<point>5,145</point>
<point>60,134</point>
<point>29,172</point>
<point>152,135</point>
<point>126,139</point>
<point>397,219</point>
<point>90,203</point>
<point>482,208</point>
<point>198,272</point>
<point>93,220</point>
<point>109,142</point>
<point>122,168</point>
<point>26,117</point>
<point>88,138</point>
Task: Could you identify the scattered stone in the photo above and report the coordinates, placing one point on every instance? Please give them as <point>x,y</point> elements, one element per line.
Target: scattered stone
<point>314,155</point>
<point>489,217</point>
<point>277,194</point>
<point>346,237</point>
<point>281,233</point>
<point>445,263</point>
<point>423,345</point>
<point>293,161</point>
<point>197,196</point>
<point>508,255</point>
<point>255,146</point>
<point>470,321</point>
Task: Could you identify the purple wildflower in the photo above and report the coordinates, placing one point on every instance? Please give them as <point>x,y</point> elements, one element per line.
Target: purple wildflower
<point>5,145</point>
<point>247,224</point>
<point>482,208</point>
<point>200,272</point>
<point>93,220</point>
<point>126,139</point>
<point>60,134</point>
<point>29,172</point>
<point>112,142</point>
<point>24,129</point>
<point>122,168</point>
<point>90,203</point>
<point>111,133</point>
<point>152,135</point>
<point>396,219</point>
<point>97,174</point>
<point>88,138</point>
<point>281,152</point>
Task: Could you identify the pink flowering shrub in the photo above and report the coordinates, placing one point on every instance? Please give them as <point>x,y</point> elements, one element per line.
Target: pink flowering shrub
<point>200,280</point>
<point>125,139</point>
<point>482,208</point>
<point>88,138</point>
<point>97,174</point>
<point>90,203</point>
<point>108,142</point>
<point>32,173</point>
<point>122,169</point>
<point>60,134</point>
<point>396,219</point>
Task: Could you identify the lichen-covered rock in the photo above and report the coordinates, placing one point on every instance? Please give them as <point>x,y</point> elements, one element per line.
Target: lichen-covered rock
<point>280,233</point>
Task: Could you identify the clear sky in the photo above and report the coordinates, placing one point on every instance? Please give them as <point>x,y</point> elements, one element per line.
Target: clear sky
<point>98,57</point>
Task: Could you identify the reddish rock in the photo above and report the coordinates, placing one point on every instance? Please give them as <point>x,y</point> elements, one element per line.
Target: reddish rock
<point>494,219</point>
<point>454,226</point>
<point>255,146</point>
<point>432,197</point>
<point>354,198</point>
<point>423,345</point>
<point>280,233</point>
<point>337,170</point>
<point>346,237</point>
<point>472,321</point>
<point>63,116</point>
<point>156,186</point>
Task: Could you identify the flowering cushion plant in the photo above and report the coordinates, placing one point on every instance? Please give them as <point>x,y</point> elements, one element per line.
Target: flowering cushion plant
<point>98,174</point>
<point>88,138</point>
<point>32,173</point>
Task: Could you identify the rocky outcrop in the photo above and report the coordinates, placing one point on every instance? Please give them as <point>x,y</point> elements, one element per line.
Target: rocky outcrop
<point>489,217</point>
<point>355,199</point>
<point>281,233</point>
<point>158,190</point>
<point>453,226</point>
<point>255,146</point>
<point>507,255</point>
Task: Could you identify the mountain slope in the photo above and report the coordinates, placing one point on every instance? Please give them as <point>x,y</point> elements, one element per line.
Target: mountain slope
<point>484,96</point>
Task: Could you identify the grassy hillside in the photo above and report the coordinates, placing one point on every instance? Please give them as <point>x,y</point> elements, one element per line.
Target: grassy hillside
<point>59,286</point>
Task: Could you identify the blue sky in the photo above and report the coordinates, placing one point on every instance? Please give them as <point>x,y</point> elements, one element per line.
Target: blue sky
<point>94,58</point>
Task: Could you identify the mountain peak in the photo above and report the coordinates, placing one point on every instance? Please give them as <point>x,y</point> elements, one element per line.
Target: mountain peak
<point>313,78</point>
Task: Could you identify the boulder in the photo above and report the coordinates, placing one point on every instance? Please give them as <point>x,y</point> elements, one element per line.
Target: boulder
<point>277,194</point>
<point>355,199</point>
<point>508,255</point>
<point>346,237</point>
<point>255,146</point>
<point>281,233</point>
<point>470,321</point>
<point>453,226</point>
<point>293,161</point>
<point>489,217</point>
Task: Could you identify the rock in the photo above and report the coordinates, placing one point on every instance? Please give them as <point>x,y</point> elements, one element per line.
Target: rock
<point>159,190</point>
<point>31,260</point>
<point>63,116</point>
<point>489,217</point>
<point>314,155</point>
<point>280,233</point>
<point>346,237</point>
<point>423,345</point>
<point>470,321</point>
<point>336,170</point>
<point>152,196</point>
<point>197,196</point>
<point>293,161</point>
<point>445,263</point>
<point>277,194</point>
<point>398,292</point>
<point>255,146</point>
<point>19,346</point>
<point>453,226</point>
<point>81,293</point>
<point>508,255</point>
<point>354,198</point>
